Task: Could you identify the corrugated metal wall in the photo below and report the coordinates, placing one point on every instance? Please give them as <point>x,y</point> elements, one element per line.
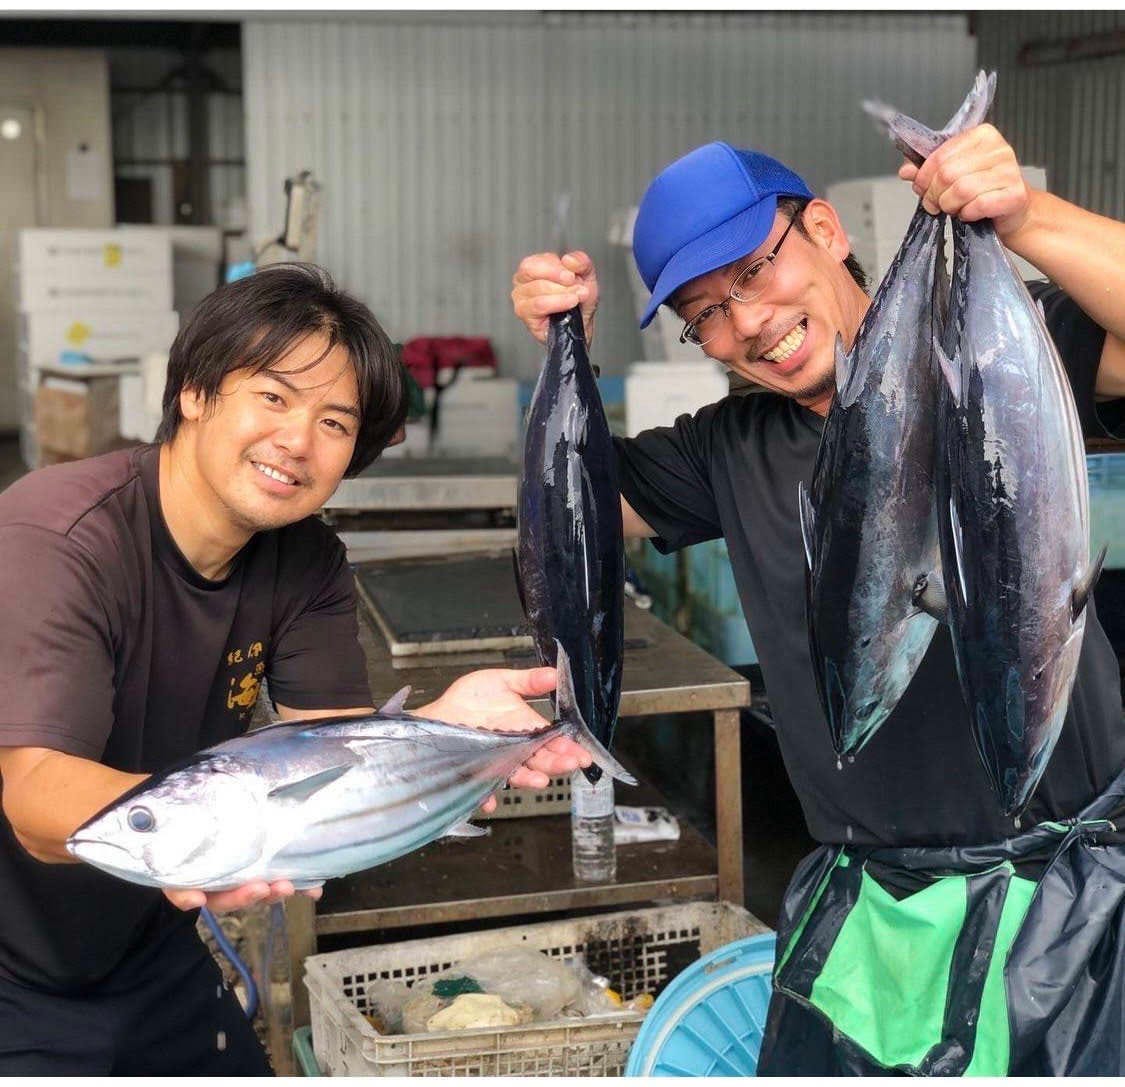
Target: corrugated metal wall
<point>442,142</point>
<point>1068,117</point>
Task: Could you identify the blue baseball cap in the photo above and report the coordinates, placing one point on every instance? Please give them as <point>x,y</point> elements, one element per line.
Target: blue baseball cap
<point>709,208</point>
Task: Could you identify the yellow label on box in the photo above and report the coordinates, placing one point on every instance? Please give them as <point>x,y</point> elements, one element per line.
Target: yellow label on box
<point>78,334</point>
<point>112,255</point>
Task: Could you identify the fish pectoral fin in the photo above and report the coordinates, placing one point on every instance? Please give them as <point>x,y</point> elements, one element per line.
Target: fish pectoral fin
<point>466,830</point>
<point>844,363</point>
<point>396,703</point>
<point>1080,597</point>
<point>950,371</point>
<point>573,725</point>
<point>519,580</point>
<point>299,791</point>
<point>928,595</point>
<point>808,521</point>
<point>958,549</point>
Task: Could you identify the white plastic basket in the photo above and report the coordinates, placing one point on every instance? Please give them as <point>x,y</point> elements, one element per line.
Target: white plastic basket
<point>638,950</point>
<point>516,803</point>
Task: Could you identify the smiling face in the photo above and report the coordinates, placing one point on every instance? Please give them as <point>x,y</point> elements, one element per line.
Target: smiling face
<point>784,339</point>
<point>272,445</point>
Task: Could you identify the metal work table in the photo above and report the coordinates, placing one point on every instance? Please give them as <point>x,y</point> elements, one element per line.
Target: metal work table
<point>482,489</point>
<point>426,483</point>
<point>524,866</point>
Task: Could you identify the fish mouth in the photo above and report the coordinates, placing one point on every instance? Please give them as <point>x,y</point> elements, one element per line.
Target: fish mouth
<point>109,857</point>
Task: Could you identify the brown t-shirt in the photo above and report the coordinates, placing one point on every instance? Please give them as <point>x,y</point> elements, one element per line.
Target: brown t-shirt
<point>114,648</point>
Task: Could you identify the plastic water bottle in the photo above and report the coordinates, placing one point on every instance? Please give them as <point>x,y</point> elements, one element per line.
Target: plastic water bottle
<point>591,825</point>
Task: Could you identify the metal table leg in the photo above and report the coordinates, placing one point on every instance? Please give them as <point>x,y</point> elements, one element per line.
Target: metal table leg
<point>300,927</point>
<point>728,805</point>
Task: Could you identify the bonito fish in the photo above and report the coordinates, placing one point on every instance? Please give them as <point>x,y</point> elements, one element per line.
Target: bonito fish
<point>310,800</point>
<point>868,520</point>
<point>1012,503</point>
<point>570,554</point>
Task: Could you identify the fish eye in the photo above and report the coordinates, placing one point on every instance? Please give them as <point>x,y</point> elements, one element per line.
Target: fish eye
<point>141,819</point>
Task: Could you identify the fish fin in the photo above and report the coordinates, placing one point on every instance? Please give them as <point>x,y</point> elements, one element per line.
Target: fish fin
<point>928,595</point>
<point>396,703</point>
<point>519,579</point>
<point>917,141</point>
<point>843,366</point>
<point>950,370</point>
<point>570,717</point>
<point>299,791</point>
<point>1080,597</point>
<point>808,521</point>
<point>958,544</point>
<point>466,830</point>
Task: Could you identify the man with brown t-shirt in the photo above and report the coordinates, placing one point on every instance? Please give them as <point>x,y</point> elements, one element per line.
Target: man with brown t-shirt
<point>148,594</point>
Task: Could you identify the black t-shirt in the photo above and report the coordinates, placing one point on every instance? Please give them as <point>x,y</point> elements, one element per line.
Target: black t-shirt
<point>115,649</point>
<point>732,470</point>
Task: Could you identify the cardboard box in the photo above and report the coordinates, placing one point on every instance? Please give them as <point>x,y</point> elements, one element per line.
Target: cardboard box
<point>77,417</point>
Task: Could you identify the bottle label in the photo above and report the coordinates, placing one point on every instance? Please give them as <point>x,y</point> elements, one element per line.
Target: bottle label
<point>591,801</point>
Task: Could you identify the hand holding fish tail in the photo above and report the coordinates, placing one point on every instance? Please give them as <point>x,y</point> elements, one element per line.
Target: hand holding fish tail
<point>258,892</point>
<point>493,699</point>
<point>973,175</point>
<point>545,283</point>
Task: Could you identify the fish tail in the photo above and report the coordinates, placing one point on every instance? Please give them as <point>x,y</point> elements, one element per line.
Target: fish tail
<point>572,724</point>
<point>914,139</point>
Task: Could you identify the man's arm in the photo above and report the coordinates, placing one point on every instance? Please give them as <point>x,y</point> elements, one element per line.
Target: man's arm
<point>48,795</point>
<point>975,175</point>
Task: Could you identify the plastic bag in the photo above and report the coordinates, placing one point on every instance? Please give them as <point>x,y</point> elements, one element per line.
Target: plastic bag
<point>385,1003</point>
<point>518,975</point>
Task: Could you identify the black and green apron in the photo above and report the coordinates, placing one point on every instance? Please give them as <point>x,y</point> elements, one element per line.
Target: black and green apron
<point>985,960</point>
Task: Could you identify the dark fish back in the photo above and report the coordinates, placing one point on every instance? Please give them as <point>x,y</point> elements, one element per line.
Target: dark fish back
<point>570,551</point>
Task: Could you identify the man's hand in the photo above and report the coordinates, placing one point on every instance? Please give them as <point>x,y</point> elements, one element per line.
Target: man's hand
<point>546,283</point>
<point>494,699</point>
<point>973,176</point>
<point>238,898</point>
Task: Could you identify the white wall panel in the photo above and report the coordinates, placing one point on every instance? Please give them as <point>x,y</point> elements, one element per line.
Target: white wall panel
<point>443,143</point>
<point>1068,117</point>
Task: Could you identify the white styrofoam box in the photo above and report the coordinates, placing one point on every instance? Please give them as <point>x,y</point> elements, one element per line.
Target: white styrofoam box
<point>657,393</point>
<point>135,421</point>
<point>154,374</point>
<point>75,253</point>
<point>99,333</point>
<point>661,339</point>
<point>876,211</point>
<point>112,268</point>
<point>478,415</point>
<point>38,294</point>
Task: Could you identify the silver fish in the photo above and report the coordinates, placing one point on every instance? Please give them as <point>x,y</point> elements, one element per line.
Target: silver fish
<point>1012,504</point>
<point>310,800</point>
<point>868,520</point>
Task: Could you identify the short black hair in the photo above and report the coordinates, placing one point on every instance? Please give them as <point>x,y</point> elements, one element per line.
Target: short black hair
<point>253,322</point>
<point>793,206</point>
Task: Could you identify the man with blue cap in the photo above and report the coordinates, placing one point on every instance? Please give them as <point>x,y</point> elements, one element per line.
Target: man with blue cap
<point>879,968</point>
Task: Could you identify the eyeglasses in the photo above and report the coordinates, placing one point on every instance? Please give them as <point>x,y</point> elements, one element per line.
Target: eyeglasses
<point>748,285</point>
